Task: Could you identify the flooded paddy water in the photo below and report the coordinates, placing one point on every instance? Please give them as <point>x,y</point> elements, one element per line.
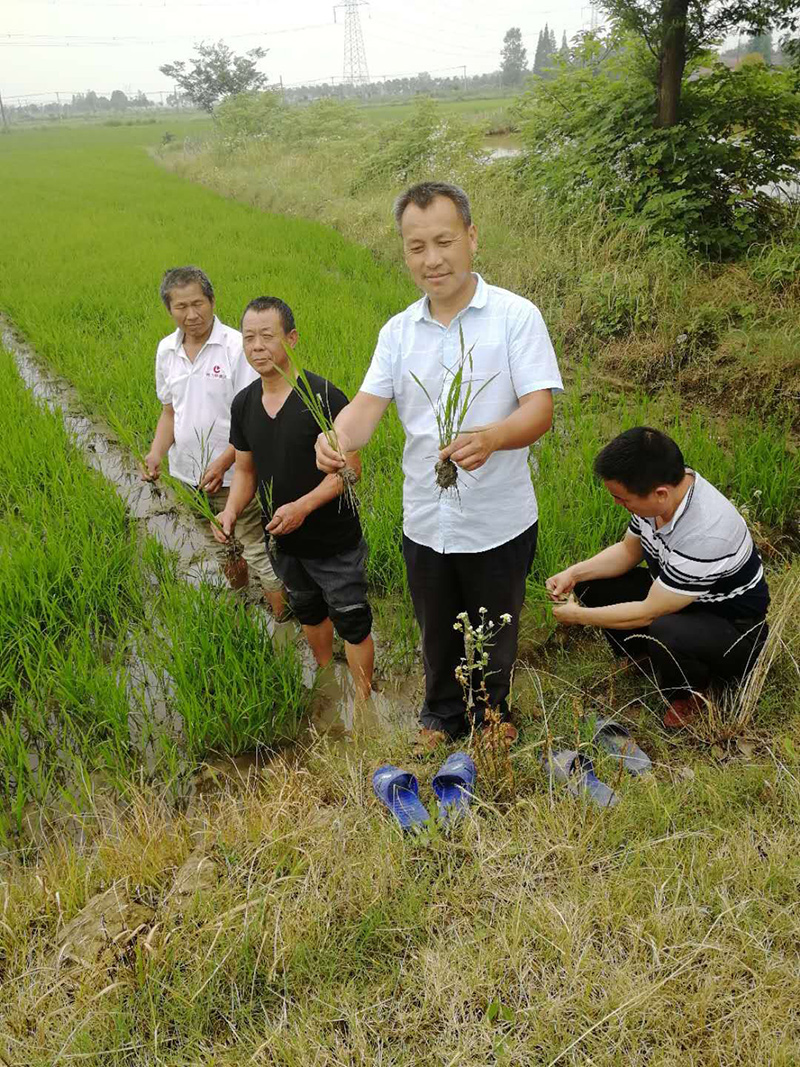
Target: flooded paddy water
<point>335,712</point>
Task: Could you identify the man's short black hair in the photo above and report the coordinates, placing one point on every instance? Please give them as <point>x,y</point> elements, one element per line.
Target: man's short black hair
<point>272,303</point>
<point>424,193</point>
<point>641,459</point>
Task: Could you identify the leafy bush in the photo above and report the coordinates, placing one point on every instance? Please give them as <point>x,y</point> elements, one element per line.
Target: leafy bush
<point>590,138</point>
<point>423,145</point>
<point>247,114</point>
<point>254,115</point>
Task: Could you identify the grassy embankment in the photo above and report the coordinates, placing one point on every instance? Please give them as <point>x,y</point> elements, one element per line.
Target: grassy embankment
<point>664,932</point>
<point>641,314</point>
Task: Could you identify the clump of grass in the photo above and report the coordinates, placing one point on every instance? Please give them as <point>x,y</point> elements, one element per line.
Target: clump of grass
<point>452,407</point>
<point>729,715</point>
<point>321,415</point>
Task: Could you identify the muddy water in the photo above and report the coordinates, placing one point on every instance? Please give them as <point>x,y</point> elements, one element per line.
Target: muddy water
<point>336,713</point>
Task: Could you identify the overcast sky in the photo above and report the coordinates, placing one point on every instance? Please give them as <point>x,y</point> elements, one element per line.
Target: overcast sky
<point>75,45</point>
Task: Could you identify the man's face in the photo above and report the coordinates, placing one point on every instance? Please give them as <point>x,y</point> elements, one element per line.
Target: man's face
<point>646,507</point>
<point>191,310</point>
<point>263,338</point>
<point>438,247</point>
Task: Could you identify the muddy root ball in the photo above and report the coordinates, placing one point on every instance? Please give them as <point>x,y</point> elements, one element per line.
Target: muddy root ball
<point>348,476</point>
<point>446,474</point>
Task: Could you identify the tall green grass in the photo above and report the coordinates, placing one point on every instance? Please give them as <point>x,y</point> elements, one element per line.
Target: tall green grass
<point>77,616</point>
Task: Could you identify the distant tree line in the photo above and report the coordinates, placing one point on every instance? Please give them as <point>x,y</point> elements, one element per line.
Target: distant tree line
<point>88,103</point>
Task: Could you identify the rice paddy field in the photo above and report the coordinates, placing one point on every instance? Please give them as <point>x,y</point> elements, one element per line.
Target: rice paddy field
<point>281,919</point>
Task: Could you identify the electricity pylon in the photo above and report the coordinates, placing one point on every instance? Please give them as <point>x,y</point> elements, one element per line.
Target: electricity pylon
<point>355,56</point>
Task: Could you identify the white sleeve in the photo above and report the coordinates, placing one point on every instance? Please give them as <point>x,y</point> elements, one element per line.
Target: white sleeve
<point>379,380</point>
<point>163,389</point>
<point>531,357</point>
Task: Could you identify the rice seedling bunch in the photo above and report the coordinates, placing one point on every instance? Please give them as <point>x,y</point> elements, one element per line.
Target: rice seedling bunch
<point>457,395</point>
<point>269,511</point>
<point>321,415</point>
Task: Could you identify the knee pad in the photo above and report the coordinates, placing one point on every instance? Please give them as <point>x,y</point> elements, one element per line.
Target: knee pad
<point>309,607</point>
<point>352,622</point>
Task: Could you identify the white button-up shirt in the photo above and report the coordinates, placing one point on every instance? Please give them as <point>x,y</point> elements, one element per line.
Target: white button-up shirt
<point>496,502</point>
<point>201,393</point>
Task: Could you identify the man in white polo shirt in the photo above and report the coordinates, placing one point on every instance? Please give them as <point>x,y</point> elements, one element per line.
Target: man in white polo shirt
<point>698,609</point>
<point>199,370</point>
<point>473,548</point>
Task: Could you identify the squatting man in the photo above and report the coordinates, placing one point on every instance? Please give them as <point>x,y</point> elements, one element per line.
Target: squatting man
<point>200,368</point>
<point>472,549</point>
<point>320,552</point>
<point>698,610</point>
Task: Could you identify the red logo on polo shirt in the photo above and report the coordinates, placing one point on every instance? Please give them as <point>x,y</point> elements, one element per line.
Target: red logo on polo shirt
<point>217,372</point>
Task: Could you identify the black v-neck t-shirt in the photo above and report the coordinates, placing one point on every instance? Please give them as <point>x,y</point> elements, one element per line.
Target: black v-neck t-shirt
<point>283,452</point>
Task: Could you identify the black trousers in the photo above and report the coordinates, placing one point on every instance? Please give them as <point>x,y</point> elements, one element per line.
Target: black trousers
<point>689,649</point>
<point>442,586</point>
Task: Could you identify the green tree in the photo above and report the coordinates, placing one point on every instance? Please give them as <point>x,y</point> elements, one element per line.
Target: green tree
<point>592,145</point>
<point>513,57</point>
<point>119,100</point>
<point>564,50</point>
<point>676,31</point>
<point>761,43</point>
<point>545,50</point>
<point>215,73</point>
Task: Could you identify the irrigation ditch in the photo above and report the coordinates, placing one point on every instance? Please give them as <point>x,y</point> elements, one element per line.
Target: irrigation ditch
<point>157,513</point>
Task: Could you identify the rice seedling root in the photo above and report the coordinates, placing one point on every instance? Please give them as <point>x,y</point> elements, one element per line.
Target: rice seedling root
<point>446,474</point>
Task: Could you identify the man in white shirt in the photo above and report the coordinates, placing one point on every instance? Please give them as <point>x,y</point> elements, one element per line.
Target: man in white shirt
<point>471,548</point>
<point>199,370</point>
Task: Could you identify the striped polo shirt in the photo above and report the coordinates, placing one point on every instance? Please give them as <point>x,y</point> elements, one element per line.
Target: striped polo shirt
<point>706,551</point>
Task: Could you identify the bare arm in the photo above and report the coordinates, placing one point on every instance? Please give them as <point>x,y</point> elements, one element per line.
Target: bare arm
<point>243,489</point>
<point>289,516</point>
<point>610,563</point>
<point>521,428</point>
<point>631,615</point>
<point>354,425</point>
<point>162,441</point>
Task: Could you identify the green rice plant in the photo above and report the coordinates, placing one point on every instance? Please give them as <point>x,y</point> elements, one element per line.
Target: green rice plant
<point>299,382</point>
<point>232,686</point>
<point>452,407</point>
<point>266,494</point>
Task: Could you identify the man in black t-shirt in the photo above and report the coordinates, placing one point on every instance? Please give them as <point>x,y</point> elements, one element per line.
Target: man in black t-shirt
<point>320,552</point>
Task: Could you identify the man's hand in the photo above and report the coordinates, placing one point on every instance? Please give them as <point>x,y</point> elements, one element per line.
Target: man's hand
<point>568,613</point>
<point>470,450</point>
<point>211,479</point>
<point>151,468</point>
<point>227,520</point>
<point>328,458</point>
<point>560,585</point>
<point>287,518</point>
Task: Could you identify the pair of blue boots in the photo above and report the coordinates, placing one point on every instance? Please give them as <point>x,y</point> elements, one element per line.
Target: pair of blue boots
<point>453,785</point>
